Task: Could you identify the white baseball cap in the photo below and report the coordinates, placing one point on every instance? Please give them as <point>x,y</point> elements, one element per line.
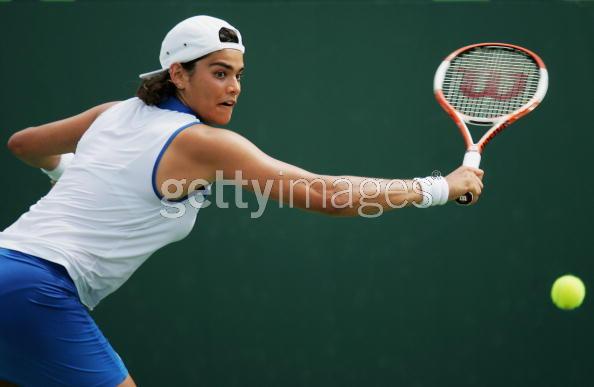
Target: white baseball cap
<point>193,38</point>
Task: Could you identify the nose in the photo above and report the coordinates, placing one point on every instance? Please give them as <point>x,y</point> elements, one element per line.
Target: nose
<point>234,87</point>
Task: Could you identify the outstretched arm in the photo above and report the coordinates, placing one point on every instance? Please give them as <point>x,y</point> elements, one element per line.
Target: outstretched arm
<point>41,146</point>
<point>218,153</point>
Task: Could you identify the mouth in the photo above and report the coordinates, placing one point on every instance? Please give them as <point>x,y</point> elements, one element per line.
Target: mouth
<point>228,103</point>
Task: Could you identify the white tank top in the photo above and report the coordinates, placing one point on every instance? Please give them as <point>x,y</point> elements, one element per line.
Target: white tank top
<point>103,218</point>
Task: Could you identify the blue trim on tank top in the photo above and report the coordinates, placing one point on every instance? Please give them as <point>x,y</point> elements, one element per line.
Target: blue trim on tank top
<point>158,160</point>
<point>175,104</point>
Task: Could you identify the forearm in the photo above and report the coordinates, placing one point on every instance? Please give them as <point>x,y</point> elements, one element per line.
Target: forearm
<point>370,197</point>
<point>45,162</point>
<point>335,195</point>
<point>341,195</point>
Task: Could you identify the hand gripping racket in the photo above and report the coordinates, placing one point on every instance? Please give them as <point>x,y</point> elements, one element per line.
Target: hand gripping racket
<point>488,84</point>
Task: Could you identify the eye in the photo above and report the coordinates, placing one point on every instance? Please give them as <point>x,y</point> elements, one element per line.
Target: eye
<point>219,74</point>
<point>239,76</point>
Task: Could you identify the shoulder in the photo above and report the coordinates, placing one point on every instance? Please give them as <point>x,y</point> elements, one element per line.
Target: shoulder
<point>206,142</point>
<point>205,135</point>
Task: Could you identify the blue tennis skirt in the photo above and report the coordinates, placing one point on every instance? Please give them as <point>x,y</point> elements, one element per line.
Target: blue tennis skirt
<point>47,337</point>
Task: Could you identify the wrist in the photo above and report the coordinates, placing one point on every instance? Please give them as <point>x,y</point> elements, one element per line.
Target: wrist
<point>434,191</point>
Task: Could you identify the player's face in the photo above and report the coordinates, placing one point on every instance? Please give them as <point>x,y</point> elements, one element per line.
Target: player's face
<point>212,90</point>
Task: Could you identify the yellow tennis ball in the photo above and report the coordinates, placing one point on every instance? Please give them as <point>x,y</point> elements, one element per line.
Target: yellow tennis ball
<point>568,292</point>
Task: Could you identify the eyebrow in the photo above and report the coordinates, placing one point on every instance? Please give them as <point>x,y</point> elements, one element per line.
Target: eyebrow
<point>225,65</point>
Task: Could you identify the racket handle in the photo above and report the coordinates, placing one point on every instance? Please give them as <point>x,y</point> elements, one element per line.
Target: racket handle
<point>472,158</point>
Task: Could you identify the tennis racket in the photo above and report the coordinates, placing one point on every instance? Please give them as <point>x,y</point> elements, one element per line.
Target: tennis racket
<point>488,84</point>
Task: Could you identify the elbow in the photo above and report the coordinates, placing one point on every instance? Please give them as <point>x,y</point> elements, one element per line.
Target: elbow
<point>16,144</point>
<point>20,144</point>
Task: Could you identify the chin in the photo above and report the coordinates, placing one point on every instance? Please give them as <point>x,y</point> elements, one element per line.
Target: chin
<point>217,120</point>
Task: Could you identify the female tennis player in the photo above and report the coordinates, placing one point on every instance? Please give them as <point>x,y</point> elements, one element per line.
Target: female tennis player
<point>103,217</point>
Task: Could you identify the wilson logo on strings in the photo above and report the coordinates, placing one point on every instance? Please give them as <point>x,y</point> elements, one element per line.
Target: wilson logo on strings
<point>492,88</point>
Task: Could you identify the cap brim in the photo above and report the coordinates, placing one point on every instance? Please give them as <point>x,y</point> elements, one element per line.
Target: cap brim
<point>151,74</point>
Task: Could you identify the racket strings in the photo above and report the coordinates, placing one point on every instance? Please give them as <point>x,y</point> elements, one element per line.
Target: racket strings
<point>471,74</point>
<point>489,81</point>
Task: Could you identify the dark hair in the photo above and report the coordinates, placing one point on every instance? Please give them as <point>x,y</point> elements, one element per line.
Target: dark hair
<point>158,88</point>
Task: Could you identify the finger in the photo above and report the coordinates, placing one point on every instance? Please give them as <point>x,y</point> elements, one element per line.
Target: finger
<point>476,193</point>
<point>478,172</point>
<point>476,187</point>
<point>480,182</point>
<point>474,179</point>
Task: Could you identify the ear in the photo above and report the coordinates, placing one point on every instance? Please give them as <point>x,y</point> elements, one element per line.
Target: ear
<point>178,76</point>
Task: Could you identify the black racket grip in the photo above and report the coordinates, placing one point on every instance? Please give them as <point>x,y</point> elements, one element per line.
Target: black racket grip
<point>465,200</point>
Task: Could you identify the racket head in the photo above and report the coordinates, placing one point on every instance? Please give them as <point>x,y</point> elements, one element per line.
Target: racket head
<point>490,84</point>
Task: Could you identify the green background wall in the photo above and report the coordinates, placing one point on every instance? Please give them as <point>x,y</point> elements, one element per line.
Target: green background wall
<point>442,297</point>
